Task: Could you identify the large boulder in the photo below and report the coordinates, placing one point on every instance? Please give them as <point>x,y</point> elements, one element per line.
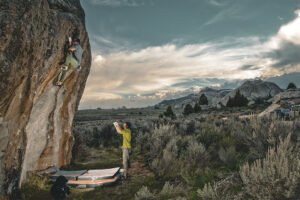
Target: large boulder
<point>214,95</point>
<point>285,99</point>
<point>35,116</point>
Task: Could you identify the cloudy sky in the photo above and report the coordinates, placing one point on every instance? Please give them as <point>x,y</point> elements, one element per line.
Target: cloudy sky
<point>145,51</point>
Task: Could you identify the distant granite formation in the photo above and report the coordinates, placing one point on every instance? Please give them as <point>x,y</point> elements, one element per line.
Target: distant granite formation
<point>212,95</point>
<point>254,90</point>
<point>35,116</point>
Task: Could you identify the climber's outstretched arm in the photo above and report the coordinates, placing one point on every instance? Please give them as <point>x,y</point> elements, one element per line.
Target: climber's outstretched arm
<point>118,128</point>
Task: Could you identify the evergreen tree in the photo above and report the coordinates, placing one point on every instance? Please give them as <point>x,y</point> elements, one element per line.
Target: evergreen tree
<point>197,107</point>
<point>188,109</point>
<point>238,100</point>
<point>203,100</point>
<point>291,86</point>
<point>169,112</point>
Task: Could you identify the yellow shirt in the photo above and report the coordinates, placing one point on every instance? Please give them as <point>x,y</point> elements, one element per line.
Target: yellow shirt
<point>126,138</point>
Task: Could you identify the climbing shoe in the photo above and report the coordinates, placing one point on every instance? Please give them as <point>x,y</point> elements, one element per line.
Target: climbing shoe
<point>64,68</point>
<point>58,84</point>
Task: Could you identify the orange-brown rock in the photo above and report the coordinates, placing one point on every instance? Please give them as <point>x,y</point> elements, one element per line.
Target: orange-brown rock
<point>35,116</point>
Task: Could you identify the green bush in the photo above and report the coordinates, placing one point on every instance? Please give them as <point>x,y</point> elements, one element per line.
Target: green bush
<point>35,188</point>
<point>143,194</point>
<point>209,192</point>
<point>168,191</point>
<point>277,176</point>
<point>211,148</point>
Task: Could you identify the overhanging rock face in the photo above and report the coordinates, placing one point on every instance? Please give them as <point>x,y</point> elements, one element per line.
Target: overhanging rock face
<point>35,116</point>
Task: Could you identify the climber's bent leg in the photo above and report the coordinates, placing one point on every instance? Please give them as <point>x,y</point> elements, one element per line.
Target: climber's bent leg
<point>63,75</point>
<point>70,64</point>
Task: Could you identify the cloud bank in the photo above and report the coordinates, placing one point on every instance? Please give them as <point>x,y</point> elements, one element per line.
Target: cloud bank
<point>144,77</point>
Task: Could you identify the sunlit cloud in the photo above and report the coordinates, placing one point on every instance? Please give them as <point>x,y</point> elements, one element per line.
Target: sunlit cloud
<point>285,48</point>
<point>291,31</point>
<point>156,70</point>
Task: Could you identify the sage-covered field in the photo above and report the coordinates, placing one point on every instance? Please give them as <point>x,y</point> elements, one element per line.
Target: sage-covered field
<point>212,154</point>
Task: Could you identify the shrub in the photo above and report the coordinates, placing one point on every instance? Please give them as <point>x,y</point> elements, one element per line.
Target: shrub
<point>79,152</point>
<point>275,177</point>
<point>170,191</point>
<point>167,189</point>
<point>190,127</point>
<point>143,194</point>
<point>33,186</point>
<point>228,156</point>
<point>169,157</point>
<point>188,109</point>
<point>179,198</point>
<point>203,100</point>
<point>208,135</point>
<point>160,137</point>
<point>209,192</point>
<point>195,151</point>
<point>214,147</point>
<point>143,142</point>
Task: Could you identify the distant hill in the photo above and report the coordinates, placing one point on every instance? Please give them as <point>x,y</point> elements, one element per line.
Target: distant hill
<point>251,89</point>
<point>213,96</point>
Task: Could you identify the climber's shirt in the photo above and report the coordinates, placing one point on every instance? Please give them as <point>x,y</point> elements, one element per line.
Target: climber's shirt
<point>126,138</point>
<point>77,54</point>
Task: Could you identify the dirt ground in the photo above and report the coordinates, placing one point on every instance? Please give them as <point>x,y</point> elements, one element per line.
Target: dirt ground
<point>101,158</point>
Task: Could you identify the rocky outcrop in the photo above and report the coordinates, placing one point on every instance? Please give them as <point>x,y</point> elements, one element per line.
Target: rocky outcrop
<point>213,96</point>
<point>35,116</point>
<point>285,99</point>
<point>254,90</point>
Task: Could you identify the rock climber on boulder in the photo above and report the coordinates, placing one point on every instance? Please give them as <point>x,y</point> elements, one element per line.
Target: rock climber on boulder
<point>72,62</point>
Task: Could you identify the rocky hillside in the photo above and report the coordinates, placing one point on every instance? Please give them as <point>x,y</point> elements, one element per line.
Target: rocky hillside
<point>254,90</point>
<point>35,116</point>
<point>285,99</point>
